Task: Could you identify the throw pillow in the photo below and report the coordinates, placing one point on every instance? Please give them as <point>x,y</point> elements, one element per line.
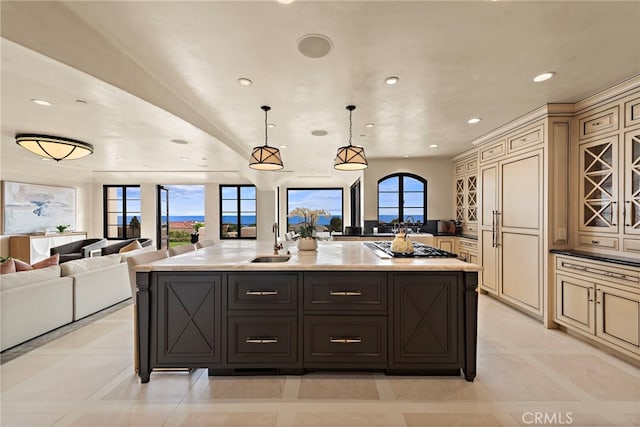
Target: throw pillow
<point>22,266</point>
<point>130,247</point>
<point>9,266</point>
<point>47,262</point>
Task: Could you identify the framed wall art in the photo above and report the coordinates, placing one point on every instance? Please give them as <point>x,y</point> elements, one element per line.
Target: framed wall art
<point>33,208</point>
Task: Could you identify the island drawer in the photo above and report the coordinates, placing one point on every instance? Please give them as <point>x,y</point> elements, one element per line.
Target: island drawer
<point>263,291</point>
<point>262,339</point>
<point>347,291</point>
<point>340,339</point>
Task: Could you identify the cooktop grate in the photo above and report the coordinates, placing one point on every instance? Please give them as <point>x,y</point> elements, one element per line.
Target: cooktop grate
<point>419,250</point>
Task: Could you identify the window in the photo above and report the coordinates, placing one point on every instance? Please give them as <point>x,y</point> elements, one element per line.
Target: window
<point>402,196</point>
<point>327,199</point>
<point>122,217</point>
<point>238,212</point>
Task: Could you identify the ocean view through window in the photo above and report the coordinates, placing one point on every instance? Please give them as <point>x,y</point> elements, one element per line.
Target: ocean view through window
<point>402,197</point>
<point>186,209</point>
<point>238,212</point>
<point>327,199</point>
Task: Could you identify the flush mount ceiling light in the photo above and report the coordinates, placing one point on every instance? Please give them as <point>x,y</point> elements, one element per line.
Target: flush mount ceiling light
<point>319,132</point>
<point>54,147</point>
<point>243,81</point>
<point>473,120</point>
<point>433,146</point>
<point>265,158</point>
<point>369,125</point>
<point>392,80</point>
<point>350,157</point>
<point>544,76</point>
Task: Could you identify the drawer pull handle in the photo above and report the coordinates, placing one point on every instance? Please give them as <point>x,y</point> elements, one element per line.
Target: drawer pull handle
<point>595,124</point>
<point>595,242</point>
<point>356,340</point>
<point>250,340</point>
<point>262,293</point>
<point>345,293</point>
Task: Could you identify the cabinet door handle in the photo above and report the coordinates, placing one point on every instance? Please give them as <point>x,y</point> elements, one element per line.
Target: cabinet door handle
<point>626,215</point>
<point>493,229</point>
<point>614,213</point>
<point>262,293</point>
<point>270,340</point>
<point>589,295</point>
<point>345,293</point>
<point>497,227</point>
<point>355,340</point>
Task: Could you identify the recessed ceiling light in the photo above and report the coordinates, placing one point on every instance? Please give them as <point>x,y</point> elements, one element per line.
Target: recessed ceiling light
<point>284,146</point>
<point>474,120</point>
<point>46,159</point>
<point>271,125</point>
<point>391,80</point>
<point>179,141</point>
<point>285,1</point>
<point>319,132</point>
<point>362,135</point>
<point>433,146</point>
<point>245,81</point>
<point>204,158</point>
<point>184,158</point>
<point>369,125</point>
<point>119,159</point>
<point>41,102</point>
<point>406,155</point>
<point>542,77</point>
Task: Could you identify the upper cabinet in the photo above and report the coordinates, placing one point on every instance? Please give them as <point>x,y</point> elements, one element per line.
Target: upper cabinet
<point>608,176</point>
<point>466,190</point>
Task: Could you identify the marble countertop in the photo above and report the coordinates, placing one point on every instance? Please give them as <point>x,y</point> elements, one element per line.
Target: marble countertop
<point>331,256</point>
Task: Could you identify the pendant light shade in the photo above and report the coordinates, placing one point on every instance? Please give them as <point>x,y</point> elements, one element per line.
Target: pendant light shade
<point>265,158</point>
<point>54,147</point>
<point>350,157</point>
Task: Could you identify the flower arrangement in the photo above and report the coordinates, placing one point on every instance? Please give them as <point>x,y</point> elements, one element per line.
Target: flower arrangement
<point>309,219</point>
<point>197,225</point>
<point>62,227</point>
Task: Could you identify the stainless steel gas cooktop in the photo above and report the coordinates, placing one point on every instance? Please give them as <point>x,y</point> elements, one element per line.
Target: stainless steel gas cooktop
<point>419,250</point>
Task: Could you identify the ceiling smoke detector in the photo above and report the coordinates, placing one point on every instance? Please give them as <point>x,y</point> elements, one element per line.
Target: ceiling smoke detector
<point>315,46</point>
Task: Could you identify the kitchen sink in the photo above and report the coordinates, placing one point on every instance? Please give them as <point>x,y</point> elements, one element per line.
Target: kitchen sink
<point>271,258</point>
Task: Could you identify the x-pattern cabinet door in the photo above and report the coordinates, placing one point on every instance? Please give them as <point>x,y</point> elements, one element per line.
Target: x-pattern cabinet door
<point>632,183</point>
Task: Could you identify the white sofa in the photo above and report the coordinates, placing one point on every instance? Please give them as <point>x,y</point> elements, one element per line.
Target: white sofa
<point>33,302</point>
<point>38,301</point>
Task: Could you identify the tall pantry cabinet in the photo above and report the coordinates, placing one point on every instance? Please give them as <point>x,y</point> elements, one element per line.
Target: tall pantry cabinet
<point>523,200</point>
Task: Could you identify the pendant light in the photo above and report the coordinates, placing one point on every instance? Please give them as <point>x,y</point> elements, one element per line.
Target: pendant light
<point>54,147</point>
<point>265,158</point>
<point>350,157</point>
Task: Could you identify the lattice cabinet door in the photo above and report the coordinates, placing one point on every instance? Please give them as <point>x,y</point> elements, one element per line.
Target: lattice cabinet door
<point>632,183</point>
<point>460,199</point>
<point>472,198</point>
<point>599,185</point>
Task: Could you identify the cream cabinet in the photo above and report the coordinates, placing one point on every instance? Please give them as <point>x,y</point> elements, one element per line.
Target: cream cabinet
<point>609,178</point>
<point>600,300</point>
<point>468,249</point>
<point>446,243</point>
<point>511,222</point>
<point>466,190</point>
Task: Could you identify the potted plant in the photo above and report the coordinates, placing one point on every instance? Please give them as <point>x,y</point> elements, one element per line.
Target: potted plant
<point>196,227</point>
<point>308,221</point>
<point>62,227</point>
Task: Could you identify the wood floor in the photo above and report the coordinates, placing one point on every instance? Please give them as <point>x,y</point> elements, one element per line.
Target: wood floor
<point>527,375</point>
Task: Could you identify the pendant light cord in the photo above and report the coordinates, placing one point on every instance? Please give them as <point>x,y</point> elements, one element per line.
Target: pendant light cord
<point>350,125</point>
<point>265,128</point>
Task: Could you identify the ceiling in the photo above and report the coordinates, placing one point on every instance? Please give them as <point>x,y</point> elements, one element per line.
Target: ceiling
<point>153,71</point>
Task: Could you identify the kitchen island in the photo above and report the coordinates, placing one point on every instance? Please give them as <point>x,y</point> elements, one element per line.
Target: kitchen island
<point>341,307</point>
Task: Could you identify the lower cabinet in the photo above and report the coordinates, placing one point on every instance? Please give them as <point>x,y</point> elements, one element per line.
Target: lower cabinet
<point>426,321</point>
<point>186,325</point>
<point>446,243</point>
<point>600,301</point>
<point>247,322</point>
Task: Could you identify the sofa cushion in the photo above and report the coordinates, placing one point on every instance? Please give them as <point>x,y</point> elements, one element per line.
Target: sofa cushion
<point>20,278</point>
<point>7,267</point>
<point>130,247</point>
<point>86,264</point>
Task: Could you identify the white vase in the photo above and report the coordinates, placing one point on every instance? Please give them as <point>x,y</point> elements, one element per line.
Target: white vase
<point>307,244</point>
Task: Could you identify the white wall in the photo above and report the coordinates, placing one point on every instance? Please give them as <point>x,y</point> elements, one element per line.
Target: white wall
<point>438,171</point>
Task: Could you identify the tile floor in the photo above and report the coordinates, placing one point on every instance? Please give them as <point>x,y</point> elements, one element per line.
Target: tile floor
<point>527,375</point>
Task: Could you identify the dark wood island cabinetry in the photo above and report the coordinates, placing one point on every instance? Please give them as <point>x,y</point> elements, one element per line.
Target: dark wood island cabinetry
<point>340,308</point>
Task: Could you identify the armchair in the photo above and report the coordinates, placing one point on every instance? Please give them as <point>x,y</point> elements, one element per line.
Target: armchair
<point>78,249</point>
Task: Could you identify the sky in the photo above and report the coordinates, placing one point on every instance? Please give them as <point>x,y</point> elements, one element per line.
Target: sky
<point>329,200</point>
<point>186,200</point>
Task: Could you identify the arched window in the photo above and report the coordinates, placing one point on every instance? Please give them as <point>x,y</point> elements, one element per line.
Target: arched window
<point>402,196</point>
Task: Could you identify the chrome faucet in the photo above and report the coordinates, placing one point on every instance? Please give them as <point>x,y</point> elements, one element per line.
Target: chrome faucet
<point>276,246</point>
<point>407,223</point>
